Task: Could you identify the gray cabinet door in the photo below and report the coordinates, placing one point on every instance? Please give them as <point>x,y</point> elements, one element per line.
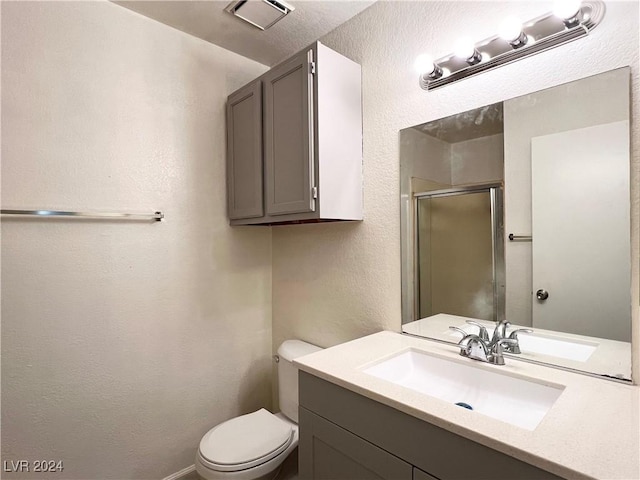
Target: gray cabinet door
<point>420,475</point>
<point>328,452</point>
<point>288,130</point>
<point>244,153</point>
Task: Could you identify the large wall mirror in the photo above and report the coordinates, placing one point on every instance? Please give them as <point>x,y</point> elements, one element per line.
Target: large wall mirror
<point>520,211</point>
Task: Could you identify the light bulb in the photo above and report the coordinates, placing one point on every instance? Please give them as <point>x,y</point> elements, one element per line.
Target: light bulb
<point>424,65</point>
<point>510,29</point>
<point>464,48</point>
<point>566,9</point>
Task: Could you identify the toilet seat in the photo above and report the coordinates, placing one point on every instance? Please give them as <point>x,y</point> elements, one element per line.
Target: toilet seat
<point>245,442</point>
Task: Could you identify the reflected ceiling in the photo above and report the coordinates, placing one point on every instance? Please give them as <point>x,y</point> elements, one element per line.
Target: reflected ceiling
<point>481,122</point>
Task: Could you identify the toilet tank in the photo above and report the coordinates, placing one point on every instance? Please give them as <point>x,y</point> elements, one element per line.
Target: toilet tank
<point>288,375</point>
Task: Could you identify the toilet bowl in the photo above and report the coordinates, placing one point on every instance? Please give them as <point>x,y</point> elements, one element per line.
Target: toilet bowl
<point>254,446</point>
<point>249,447</point>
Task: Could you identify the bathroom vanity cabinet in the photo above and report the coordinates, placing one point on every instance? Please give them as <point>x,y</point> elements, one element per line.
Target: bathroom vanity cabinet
<point>294,142</point>
<point>344,435</point>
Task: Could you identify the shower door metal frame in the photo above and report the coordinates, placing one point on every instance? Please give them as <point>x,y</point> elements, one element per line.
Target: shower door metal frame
<point>497,241</point>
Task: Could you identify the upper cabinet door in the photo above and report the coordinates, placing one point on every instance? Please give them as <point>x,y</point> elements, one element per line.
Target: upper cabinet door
<point>288,127</point>
<point>244,153</point>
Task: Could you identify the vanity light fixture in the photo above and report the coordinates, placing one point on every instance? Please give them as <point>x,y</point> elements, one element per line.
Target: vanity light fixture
<point>569,20</point>
<point>568,11</point>
<point>511,31</point>
<point>466,50</point>
<point>424,65</point>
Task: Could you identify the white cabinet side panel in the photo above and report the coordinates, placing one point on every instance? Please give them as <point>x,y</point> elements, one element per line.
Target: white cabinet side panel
<point>339,146</point>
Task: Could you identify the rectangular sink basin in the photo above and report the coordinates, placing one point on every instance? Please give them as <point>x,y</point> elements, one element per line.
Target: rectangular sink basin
<point>514,400</point>
<point>540,344</point>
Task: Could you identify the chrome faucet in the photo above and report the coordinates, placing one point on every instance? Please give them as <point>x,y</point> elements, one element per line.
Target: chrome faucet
<point>479,347</point>
<point>500,333</point>
<point>483,334</point>
<point>474,347</point>
<point>514,336</point>
<point>497,350</point>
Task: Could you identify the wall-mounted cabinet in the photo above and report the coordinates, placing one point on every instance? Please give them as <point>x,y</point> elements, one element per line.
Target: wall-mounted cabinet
<point>294,142</point>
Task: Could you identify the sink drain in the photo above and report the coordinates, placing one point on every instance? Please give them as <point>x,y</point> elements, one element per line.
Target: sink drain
<point>464,405</point>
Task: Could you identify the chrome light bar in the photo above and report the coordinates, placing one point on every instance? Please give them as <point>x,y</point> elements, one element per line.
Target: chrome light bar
<point>537,35</point>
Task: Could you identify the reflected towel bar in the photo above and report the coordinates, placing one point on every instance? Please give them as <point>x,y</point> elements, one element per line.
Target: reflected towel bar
<point>157,216</point>
<point>520,238</point>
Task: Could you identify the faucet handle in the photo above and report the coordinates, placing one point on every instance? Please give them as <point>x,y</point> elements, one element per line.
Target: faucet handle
<point>514,334</point>
<point>459,330</point>
<point>465,342</point>
<point>483,334</point>
<point>496,350</point>
<point>515,349</point>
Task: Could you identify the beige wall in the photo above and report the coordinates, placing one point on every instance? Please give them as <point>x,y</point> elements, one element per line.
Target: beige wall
<point>425,157</point>
<point>335,282</point>
<point>479,160</point>
<point>122,343</point>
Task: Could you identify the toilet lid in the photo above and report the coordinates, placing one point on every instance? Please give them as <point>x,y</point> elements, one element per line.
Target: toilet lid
<point>253,438</point>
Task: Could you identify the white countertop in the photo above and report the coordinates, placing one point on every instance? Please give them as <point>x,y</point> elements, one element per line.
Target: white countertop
<point>592,430</point>
<point>610,357</point>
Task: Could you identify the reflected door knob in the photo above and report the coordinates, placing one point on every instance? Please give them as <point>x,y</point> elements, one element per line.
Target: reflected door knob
<point>542,294</point>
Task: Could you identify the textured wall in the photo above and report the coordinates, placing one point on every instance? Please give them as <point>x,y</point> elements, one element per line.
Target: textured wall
<point>335,282</point>
<point>122,343</point>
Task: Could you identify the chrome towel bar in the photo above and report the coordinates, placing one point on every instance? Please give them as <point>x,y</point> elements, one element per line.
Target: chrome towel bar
<point>520,238</point>
<point>157,216</point>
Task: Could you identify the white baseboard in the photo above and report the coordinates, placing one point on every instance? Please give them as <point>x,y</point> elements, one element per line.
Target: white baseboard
<point>182,473</point>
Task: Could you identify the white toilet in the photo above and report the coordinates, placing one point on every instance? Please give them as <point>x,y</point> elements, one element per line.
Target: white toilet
<point>253,446</point>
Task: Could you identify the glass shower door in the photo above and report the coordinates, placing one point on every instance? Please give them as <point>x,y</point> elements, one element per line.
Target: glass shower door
<point>459,253</point>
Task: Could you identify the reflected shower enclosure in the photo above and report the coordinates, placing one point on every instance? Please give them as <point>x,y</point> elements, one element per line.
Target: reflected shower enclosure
<point>459,255</point>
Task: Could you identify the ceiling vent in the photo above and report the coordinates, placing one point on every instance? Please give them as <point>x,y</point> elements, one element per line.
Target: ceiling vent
<point>259,13</point>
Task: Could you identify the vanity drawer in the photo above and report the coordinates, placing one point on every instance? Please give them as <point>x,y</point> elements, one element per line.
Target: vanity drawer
<point>434,450</point>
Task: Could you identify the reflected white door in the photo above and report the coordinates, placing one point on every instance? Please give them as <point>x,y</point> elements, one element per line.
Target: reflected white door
<point>581,234</point>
